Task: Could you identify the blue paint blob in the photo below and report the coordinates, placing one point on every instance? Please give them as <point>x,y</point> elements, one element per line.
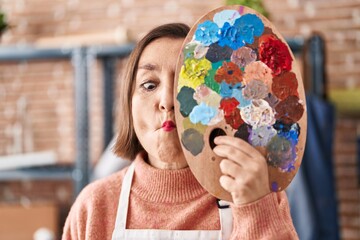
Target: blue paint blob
<point>186,100</point>
<point>202,113</point>
<point>207,33</point>
<point>249,26</point>
<point>224,16</point>
<point>225,89</point>
<point>237,86</point>
<point>241,32</point>
<point>280,126</point>
<point>230,36</point>
<point>238,95</point>
<point>289,131</point>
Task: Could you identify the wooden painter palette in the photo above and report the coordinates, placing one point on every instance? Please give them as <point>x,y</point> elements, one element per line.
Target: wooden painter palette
<point>237,76</point>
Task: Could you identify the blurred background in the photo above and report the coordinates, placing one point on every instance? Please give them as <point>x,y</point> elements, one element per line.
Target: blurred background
<point>60,65</point>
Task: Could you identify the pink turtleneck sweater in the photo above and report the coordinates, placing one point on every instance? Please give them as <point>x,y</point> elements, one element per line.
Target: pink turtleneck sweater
<point>171,199</point>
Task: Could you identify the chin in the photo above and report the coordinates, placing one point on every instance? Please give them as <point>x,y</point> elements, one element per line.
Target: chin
<point>170,152</point>
<point>166,146</point>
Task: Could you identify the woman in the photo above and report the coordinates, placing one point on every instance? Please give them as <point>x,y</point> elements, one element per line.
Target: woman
<point>157,197</point>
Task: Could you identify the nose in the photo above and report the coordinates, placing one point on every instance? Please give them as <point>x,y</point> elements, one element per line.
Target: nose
<point>166,99</point>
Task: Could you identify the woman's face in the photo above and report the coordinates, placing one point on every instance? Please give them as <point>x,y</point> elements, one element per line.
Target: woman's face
<point>153,104</point>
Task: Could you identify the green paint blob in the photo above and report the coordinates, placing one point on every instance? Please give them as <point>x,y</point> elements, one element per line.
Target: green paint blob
<point>186,100</point>
<point>193,141</point>
<point>210,77</point>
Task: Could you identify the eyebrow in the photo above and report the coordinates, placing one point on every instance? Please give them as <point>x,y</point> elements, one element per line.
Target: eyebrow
<point>148,66</point>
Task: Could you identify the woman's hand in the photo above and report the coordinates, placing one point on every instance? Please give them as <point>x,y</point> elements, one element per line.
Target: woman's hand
<point>244,168</point>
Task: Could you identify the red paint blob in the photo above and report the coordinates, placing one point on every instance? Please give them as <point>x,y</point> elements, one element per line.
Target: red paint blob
<point>289,110</point>
<point>234,119</point>
<point>231,112</point>
<point>285,85</point>
<point>228,105</point>
<point>230,73</point>
<point>275,54</point>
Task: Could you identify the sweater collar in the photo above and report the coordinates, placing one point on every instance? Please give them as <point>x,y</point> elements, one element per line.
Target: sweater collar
<point>164,186</point>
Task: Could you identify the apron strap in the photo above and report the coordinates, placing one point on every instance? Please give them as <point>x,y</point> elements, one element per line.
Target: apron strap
<point>226,218</point>
<point>123,205</point>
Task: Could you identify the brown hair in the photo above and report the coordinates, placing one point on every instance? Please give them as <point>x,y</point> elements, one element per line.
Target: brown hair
<point>127,144</point>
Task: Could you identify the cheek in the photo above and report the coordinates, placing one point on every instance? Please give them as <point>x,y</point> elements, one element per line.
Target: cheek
<point>142,114</point>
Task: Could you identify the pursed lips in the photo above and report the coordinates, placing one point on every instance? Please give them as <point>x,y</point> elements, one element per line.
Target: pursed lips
<point>168,126</point>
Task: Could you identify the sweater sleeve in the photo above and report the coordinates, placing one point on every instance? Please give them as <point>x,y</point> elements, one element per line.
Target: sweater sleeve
<point>92,216</point>
<point>266,218</point>
<point>75,224</point>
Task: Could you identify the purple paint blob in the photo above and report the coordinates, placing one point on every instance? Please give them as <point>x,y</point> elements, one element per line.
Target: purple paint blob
<point>261,136</point>
<point>274,186</point>
<point>241,10</point>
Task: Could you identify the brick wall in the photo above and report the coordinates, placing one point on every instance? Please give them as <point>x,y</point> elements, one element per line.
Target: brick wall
<point>347,178</point>
<point>36,108</point>
<point>47,86</point>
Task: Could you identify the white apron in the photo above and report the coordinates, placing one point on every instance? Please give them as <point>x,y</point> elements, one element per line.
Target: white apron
<point>121,233</point>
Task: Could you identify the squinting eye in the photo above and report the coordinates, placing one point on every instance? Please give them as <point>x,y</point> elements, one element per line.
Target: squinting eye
<point>149,85</point>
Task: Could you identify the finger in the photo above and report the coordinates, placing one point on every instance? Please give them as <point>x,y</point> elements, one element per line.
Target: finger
<point>237,143</point>
<point>233,154</point>
<point>241,175</point>
<point>230,168</point>
<point>228,183</point>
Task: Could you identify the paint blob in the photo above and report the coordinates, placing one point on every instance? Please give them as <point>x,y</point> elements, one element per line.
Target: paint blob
<point>217,53</point>
<point>193,141</point>
<point>281,154</point>
<point>243,132</point>
<point>229,72</point>
<point>193,72</point>
<point>289,110</point>
<point>261,136</point>
<point>200,51</point>
<point>258,71</point>
<point>199,127</point>
<point>228,16</point>
<point>258,113</point>
<point>285,85</point>
<point>256,89</point>
<point>275,54</point>
<point>234,119</point>
<point>202,113</point>
<point>207,33</point>
<point>274,186</point>
<point>243,56</point>
<point>185,98</point>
